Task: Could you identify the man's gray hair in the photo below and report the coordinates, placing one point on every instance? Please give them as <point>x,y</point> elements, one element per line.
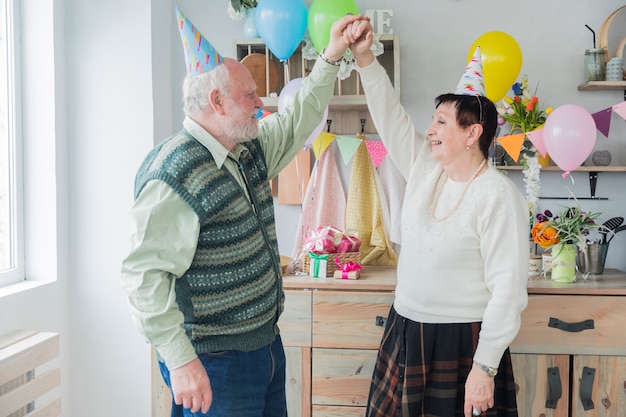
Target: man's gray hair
<point>196,88</point>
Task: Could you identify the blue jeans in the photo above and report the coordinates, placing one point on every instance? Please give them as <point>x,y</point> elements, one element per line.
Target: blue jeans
<point>244,384</point>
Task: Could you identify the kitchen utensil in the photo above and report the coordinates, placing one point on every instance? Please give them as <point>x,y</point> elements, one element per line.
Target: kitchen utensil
<point>615,231</point>
<point>610,225</point>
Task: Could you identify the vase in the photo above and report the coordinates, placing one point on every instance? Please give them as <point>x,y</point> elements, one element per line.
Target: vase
<point>249,26</point>
<point>564,262</point>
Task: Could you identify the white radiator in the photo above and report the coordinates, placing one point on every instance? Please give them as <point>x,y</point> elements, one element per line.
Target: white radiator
<point>30,377</point>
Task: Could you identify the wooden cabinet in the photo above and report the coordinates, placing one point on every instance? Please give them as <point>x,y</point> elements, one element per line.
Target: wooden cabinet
<point>569,357</point>
<point>347,110</point>
<point>331,329</point>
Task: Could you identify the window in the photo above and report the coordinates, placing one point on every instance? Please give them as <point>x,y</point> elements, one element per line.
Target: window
<point>10,169</point>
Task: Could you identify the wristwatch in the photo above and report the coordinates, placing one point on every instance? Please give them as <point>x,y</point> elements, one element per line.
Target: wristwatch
<point>490,371</point>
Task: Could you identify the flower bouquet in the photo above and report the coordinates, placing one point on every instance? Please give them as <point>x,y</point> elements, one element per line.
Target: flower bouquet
<point>524,115</point>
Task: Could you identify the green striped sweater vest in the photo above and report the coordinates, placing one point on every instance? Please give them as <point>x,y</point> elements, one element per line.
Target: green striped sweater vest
<point>231,295</point>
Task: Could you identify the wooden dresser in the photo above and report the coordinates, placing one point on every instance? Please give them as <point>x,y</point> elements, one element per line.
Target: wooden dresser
<point>331,329</point>
<point>573,336</point>
<point>569,357</point>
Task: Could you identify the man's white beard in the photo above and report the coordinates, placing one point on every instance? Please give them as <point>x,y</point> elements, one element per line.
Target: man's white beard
<point>241,128</point>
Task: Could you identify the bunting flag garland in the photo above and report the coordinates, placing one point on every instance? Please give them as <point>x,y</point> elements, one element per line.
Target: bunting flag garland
<point>322,142</point>
<point>536,138</point>
<point>377,151</point>
<point>512,144</point>
<point>347,147</point>
<point>620,109</point>
<point>603,121</point>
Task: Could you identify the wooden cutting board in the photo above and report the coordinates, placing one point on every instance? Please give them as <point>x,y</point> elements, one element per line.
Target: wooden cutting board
<point>255,63</point>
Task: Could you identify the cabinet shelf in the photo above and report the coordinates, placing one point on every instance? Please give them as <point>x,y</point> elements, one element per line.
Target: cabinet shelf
<point>348,93</point>
<point>593,177</point>
<point>603,85</point>
<point>607,168</point>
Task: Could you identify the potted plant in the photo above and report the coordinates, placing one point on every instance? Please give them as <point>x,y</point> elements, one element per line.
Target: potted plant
<point>566,233</point>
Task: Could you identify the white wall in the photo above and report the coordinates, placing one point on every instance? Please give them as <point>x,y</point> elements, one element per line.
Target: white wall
<point>118,94</point>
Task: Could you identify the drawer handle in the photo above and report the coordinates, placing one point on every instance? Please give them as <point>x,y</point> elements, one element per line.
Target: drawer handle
<point>571,327</point>
<point>554,388</point>
<point>381,321</point>
<point>586,387</point>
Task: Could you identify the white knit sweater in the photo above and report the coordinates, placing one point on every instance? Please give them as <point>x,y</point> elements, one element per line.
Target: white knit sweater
<point>471,267</point>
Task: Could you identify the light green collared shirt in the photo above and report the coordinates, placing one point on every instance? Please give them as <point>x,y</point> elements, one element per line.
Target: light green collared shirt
<point>165,229</point>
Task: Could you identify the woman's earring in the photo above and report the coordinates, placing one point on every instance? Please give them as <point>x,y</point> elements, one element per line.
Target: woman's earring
<point>467,147</point>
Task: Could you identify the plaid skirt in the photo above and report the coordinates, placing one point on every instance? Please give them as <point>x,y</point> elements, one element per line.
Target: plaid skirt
<point>421,371</point>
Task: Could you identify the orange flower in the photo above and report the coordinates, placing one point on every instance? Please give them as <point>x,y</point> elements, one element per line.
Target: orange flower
<point>545,235</point>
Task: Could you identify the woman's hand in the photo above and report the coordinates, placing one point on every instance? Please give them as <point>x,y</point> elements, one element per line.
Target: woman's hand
<point>360,35</point>
<point>479,391</point>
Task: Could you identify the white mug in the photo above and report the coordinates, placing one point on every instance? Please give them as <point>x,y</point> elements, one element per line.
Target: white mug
<point>534,266</point>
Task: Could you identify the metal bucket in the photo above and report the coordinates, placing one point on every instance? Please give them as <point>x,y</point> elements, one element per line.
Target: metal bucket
<point>592,260</point>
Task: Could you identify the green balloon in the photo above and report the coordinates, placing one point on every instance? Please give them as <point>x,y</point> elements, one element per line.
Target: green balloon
<point>322,15</point>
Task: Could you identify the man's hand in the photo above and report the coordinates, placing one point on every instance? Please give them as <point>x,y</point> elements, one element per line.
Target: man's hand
<point>191,386</point>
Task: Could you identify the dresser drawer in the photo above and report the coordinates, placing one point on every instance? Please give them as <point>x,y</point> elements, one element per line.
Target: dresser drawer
<point>349,319</point>
<point>295,321</point>
<point>342,377</point>
<point>547,318</point>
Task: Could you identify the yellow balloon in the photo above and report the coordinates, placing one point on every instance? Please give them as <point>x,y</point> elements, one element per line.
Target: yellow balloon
<point>502,61</point>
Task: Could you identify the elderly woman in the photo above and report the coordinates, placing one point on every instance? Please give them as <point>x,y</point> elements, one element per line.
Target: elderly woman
<point>463,264</point>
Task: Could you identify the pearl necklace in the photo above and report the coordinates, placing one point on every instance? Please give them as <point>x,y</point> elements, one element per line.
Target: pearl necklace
<point>433,207</point>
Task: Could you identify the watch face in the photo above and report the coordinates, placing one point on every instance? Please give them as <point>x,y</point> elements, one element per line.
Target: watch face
<point>492,372</point>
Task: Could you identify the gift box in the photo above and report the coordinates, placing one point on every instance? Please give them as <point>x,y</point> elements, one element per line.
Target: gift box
<point>333,258</point>
<point>339,274</point>
<point>322,240</point>
<point>347,270</point>
<point>318,265</point>
<point>348,243</point>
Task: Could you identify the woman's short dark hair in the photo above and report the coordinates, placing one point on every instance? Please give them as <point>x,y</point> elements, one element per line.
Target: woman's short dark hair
<point>471,110</point>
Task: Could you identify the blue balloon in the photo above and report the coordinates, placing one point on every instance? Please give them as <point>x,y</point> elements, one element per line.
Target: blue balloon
<point>282,24</point>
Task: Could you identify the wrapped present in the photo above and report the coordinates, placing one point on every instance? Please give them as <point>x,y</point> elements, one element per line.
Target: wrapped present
<point>349,270</point>
<point>318,265</point>
<point>349,243</point>
<point>339,274</point>
<point>322,240</point>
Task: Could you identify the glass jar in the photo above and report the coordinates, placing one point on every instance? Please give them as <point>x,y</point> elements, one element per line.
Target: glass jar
<point>595,66</point>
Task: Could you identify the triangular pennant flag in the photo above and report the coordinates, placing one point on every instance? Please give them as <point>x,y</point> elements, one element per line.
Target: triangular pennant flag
<point>322,142</point>
<point>603,121</point>
<point>376,150</point>
<point>512,144</point>
<point>347,147</point>
<point>620,109</point>
<point>536,138</point>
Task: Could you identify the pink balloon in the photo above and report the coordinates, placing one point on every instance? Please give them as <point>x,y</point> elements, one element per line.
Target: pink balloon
<point>286,98</point>
<point>569,136</point>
